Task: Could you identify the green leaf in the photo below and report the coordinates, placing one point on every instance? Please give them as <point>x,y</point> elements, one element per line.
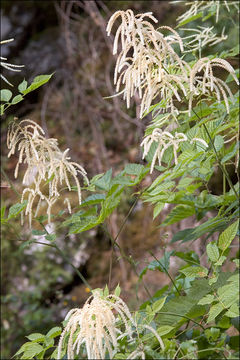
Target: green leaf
<point>37,82</point>
<point>179,213</point>
<point>54,332</point>
<point>22,348</point>
<point>165,329</point>
<point>194,271</point>
<point>214,311</point>
<point>37,337</point>
<point>49,342</point>
<point>94,199</point>
<point>209,226</point>
<point>16,209</point>
<point>212,252</point>
<point>184,305</point>
<point>22,86</point>
<point>189,19</point>
<point>5,95</point>
<point>162,187</point>
<point>230,154</point>
<point>133,169</point>
<point>212,333</point>
<point>233,311</point>
<point>158,304</point>
<point>190,257</point>
<point>32,350</point>
<point>227,236</point>
<point>17,99</point>
<point>157,209</point>
<point>208,299</point>
<point>218,142</point>
<point>51,237</point>
<point>104,182</point>
<point>220,260</point>
<point>117,291</point>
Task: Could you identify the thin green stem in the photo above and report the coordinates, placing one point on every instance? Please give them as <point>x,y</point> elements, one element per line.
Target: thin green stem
<point>67,260</point>
<point>113,241</point>
<point>183,316</point>
<point>128,258</point>
<point>218,160</point>
<point>166,271</point>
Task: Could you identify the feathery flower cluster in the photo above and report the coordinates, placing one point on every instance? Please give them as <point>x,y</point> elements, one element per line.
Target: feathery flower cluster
<point>95,325</point>
<point>145,55</point>
<point>46,165</point>
<point>148,64</point>
<point>98,326</point>
<point>164,140</point>
<point>7,65</point>
<point>201,37</point>
<point>198,6</point>
<point>208,83</point>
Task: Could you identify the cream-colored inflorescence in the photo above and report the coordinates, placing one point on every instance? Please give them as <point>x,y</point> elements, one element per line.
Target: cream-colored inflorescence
<point>164,140</point>
<point>95,326</point>
<point>210,5</point>
<point>201,37</point>
<point>148,64</point>
<point>145,63</point>
<point>208,83</point>
<point>46,165</point>
<point>98,326</point>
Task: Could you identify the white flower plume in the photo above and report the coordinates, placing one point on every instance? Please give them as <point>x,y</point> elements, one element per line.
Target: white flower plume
<point>208,83</point>
<point>148,64</point>
<point>95,326</point>
<point>99,325</point>
<point>212,6</point>
<point>46,165</point>
<point>145,63</point>
<point>164,139</point>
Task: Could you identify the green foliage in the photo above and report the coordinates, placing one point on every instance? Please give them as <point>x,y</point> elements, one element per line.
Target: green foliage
<point>6,95</point>
<point>38,345</point>
<point>192,314</point>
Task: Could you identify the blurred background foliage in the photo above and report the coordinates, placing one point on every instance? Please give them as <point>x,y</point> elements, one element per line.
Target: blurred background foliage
<point>69,39</point>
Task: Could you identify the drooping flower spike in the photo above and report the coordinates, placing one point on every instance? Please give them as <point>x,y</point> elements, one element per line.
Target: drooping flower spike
<point>46,165</point>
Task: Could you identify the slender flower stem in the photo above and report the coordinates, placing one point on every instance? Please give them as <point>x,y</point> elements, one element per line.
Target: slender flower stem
<point>67,260</point>
<point>166,271</point>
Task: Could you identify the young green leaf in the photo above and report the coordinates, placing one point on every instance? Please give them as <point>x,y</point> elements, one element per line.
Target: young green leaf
<point>16,99</point>
<point>5,95</point>
<point>227,236</point>
<point>208,299</point>
<point>36,337</point>
<point>195,271</point>
<point>157,305</point>
<point>22,86</point>
<point>212,252</point>
<point>16,209</point>
<point>37,82</point>
<point>54,332</point>
<point>214,311</point>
